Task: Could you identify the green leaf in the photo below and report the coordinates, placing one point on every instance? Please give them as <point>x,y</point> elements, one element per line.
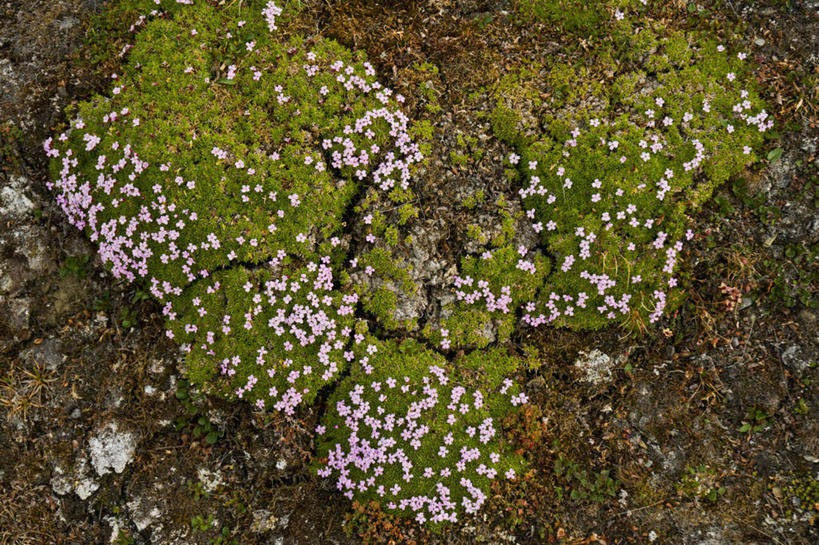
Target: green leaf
<point>212,437</point>
<point>225,81</point>
<point>774,155</point>
<point>745,428</point>
<point>725,205</point>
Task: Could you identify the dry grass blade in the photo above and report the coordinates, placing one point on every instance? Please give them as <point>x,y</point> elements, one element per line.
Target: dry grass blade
<point>22,389</point>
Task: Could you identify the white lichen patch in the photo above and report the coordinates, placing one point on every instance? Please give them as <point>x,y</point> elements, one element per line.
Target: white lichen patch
<point>596,366</point>
<point>143,514</point>
<point>211,480</point>
<point>85,487</point>
<point>115,526</point>
<point>14,203</point>
<point>111,449</point>
<point>60,482</point>
<point>74,480</point>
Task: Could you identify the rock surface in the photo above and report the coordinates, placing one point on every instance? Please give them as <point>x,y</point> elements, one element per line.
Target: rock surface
<point>99,445</point>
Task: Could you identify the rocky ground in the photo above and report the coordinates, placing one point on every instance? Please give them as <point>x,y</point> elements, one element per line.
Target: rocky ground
<point>703,432</point>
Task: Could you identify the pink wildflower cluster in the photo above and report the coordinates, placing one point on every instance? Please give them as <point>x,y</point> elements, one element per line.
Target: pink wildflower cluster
<point>420,444</point>
<point>500,303</point>
<point>270,12</point>
<point>293,324</point>
<point>155,221</point>
<point>621,226</point>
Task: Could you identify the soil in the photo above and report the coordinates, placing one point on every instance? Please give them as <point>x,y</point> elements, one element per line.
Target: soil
<point>707,427</point>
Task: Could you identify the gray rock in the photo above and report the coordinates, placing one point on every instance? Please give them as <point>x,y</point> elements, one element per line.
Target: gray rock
<point>67,23</point>
<point>60,482</point>
<point>714,537</point>
<point>796,359</point>
<point>31,242</point>
<point>14,319</point>
<point>46,353</point>
<point>10,84</point>
<point>24,246</point>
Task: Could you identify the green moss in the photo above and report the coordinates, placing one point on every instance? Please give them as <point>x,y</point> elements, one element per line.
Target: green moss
<point>391,277</point>
<point>508,230</point>
<point>458,159</point>
<point>573,16</point>
<point>391,235</point>
<point>474,232</point>
<point>701,481</point>
<point>422,130</point>
<point>804,492</point>
<point>385,265</point>
<point>406,213</point>
<point>626,85</point>
<point>473,200</point>
<point>505,124</point>
<point>582,484</point>
<point>488,293</point>
<point>381,303</point>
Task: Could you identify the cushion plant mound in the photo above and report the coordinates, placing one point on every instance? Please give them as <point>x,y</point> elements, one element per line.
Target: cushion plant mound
<point>610,194</point>
<point>218,172</point>
<point>623,160</point>
<point>417,434</point>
